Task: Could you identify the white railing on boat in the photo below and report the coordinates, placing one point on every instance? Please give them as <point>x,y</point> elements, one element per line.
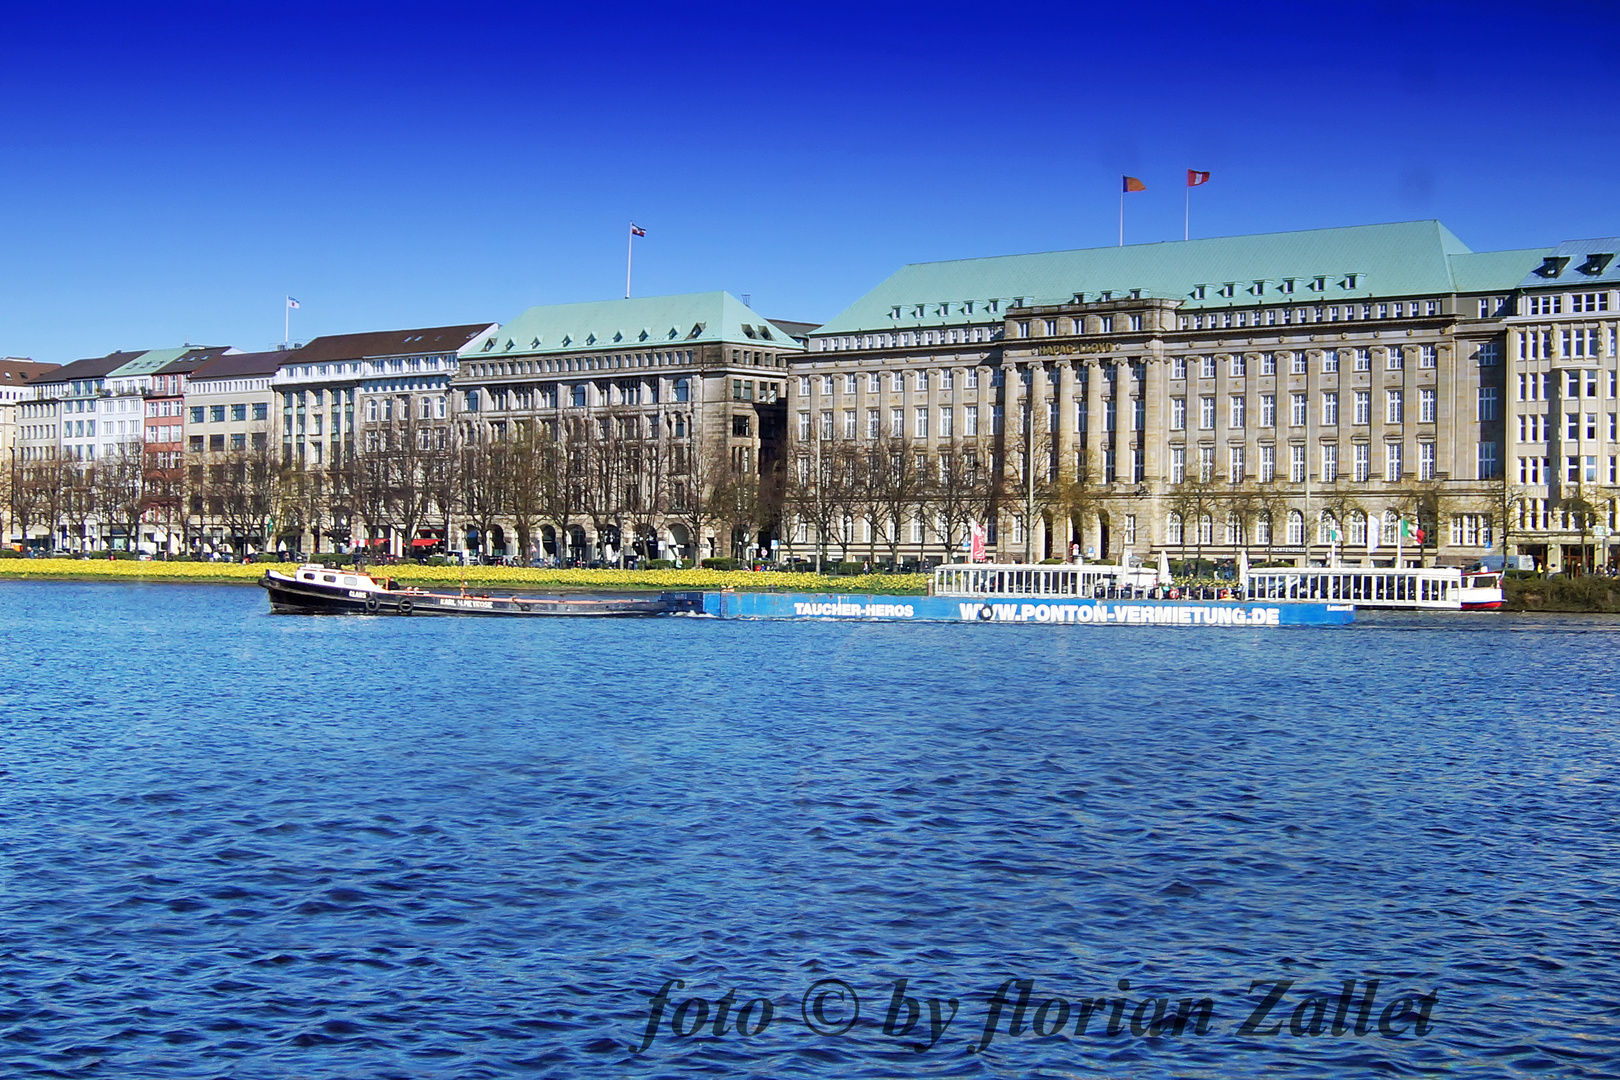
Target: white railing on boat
<point>1023,579</point>
<point>1380,587</point>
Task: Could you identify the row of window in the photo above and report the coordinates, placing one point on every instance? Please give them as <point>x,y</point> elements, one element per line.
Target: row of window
<point>1533,427</point>
<point>1533,385</point>
<point>1553,303</point>
<point>1360,465</point>
<point>957,335</point>
<point>605,362</point>
<point>920,381</point>
<point>826,428</point>
<point>1357,530</point>
<point>1361,359</point>
<point>215,414</point>
<point>1578,468</point>
<point>598,395</point>
<point>1298,411</point>
<point>1287,316</point>
<point>1579,341</point>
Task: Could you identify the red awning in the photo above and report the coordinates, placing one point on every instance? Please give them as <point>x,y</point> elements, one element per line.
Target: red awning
<point>425,542</point>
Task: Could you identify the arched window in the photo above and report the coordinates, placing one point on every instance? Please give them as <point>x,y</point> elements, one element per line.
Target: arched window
<point>1392,525</point>
<point>1234,529</point>
<point>1327,529</point>
<point>1296,528</point>
<point>1173,533</point>
<point>1358,529</point>
<point>1262,530</point>
<point>1206,529</point>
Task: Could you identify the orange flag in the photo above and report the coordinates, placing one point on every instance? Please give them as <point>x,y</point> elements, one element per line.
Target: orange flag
<point>1133,184</point>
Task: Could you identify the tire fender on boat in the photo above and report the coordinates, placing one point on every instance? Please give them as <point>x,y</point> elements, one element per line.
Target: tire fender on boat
<point>371,605</point>
<point>405,606</point>
<point>986,613</point>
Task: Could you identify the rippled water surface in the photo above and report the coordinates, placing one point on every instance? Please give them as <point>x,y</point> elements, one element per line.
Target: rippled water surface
<point>240,845</point>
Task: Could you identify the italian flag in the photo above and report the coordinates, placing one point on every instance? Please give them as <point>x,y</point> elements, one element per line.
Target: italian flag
<point>1411,531</point>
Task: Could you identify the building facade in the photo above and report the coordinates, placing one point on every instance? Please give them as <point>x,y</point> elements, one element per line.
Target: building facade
<point>1292,397</point>
<point>1559,407</point>
<point>665,416</point>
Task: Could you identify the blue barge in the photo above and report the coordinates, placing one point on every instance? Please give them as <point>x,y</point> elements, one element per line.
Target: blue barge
<point>1070,611</point>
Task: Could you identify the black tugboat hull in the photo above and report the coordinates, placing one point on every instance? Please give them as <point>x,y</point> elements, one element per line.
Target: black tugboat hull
<point>290,597</point>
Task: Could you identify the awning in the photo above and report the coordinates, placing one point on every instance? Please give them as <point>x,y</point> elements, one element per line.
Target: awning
<point>425,542</point>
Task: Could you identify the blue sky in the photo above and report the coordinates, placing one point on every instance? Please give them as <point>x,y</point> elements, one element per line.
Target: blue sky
<point>168,172</point>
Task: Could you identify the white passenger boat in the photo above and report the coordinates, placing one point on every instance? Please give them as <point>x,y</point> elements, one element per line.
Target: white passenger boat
<point>1096,594</point>
<point>1432,588</point>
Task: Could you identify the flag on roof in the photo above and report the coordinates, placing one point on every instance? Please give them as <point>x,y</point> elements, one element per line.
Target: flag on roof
<point>291,303</point>
<point>1194,177</point>
<point>637,230</point>
<point>1133,184</point>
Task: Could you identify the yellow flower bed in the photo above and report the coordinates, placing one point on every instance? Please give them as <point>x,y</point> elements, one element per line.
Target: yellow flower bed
<point>504,577</point>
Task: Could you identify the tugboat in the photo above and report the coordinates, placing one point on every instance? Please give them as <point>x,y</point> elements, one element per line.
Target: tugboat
<point>318,590</point>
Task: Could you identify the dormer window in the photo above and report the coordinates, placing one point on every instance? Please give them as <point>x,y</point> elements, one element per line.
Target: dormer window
<point>1229,290</point>
<point>943,310</point>
<point>1198,292</point>
<point>1286,287</point>
<point>1136,294</point>
<point>894,312</point>
<point>1351,281</point>
<point>488,345</point>
<point>1318,284</point>
<point>567,340</point>
<point>1552,266</point>
<point>995,306</point>
<point>1596,263</point>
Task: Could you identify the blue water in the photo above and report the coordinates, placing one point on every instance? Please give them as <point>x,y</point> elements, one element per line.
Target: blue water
<point>240,845</point>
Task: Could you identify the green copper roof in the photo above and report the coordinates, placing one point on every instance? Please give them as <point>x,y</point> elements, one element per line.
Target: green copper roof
<point>641,322</point>
<point>1493,271</point>
<point>1574,264</point>
<point>147,362</point>
<point>1411,258</point>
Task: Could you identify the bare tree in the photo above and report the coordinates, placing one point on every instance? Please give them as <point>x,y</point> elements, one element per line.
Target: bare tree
<point>79,490</point>
<point>120,490</point>
<point>897,483</point>
<point>25,496</point>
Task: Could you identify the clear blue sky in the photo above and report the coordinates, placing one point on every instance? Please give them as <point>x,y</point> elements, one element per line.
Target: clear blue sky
<point>169,172</point>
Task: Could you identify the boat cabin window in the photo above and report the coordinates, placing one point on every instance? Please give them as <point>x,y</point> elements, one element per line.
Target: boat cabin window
<point>329,577</point>
<point>349,581</point>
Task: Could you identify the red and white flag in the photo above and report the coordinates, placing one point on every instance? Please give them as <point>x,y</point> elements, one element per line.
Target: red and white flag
<point>637,230</point>
<point>976,548</point>
<point>1194,177</point>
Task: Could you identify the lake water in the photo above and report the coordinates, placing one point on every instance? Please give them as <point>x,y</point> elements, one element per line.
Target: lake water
<point>240,845</point>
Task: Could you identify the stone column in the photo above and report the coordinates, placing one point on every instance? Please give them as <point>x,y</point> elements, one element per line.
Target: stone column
<point>1094,420</point>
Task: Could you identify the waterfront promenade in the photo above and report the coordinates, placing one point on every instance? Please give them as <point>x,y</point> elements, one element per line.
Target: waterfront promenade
<point>514,577</point>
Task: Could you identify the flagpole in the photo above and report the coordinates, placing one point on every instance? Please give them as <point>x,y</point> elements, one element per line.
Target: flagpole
<point>1122,213</point>
<point>629,250</point>
<point>1186,213</point>
<point>286,322</point>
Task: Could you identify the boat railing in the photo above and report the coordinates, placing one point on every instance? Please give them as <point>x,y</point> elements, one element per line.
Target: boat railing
<point>1430,587</point>
<point>1018,579</point>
